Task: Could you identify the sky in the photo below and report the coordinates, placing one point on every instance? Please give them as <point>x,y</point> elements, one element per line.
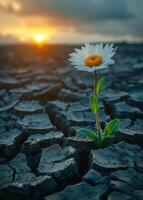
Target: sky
<point>70,21</point>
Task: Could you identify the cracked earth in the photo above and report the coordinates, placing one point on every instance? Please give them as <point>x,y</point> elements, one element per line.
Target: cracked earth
<point>43,102</point>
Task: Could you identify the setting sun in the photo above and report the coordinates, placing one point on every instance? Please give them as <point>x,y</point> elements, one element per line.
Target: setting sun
<point>39,38</point>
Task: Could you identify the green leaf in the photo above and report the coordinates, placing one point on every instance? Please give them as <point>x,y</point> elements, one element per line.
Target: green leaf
<point>107,141</point>
<point>99,85</point>
<point>112,127</point>
<point>83,132</point>
<point>94,104</point>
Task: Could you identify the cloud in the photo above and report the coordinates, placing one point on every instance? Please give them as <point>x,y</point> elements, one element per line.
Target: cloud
<point>81,9</point>
<point>117,18</point>
<point>8,38</point>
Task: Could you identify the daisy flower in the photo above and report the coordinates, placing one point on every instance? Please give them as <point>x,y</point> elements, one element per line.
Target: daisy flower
<point>93,57</point>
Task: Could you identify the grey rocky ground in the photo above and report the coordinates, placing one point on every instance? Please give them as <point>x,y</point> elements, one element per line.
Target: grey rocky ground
<point>43,102</point>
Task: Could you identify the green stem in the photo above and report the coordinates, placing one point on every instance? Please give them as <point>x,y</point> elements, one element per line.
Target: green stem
<point>97,117</point>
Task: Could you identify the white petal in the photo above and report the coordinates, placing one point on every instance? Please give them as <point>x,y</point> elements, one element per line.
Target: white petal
<point>109,62</point>
<point>78,57</point>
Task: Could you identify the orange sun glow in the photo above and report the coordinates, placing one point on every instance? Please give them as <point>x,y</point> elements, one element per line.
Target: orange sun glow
<point>40,39</point>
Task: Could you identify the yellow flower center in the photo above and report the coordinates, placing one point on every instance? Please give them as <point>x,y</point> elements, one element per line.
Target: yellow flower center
<point>93,60</point>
